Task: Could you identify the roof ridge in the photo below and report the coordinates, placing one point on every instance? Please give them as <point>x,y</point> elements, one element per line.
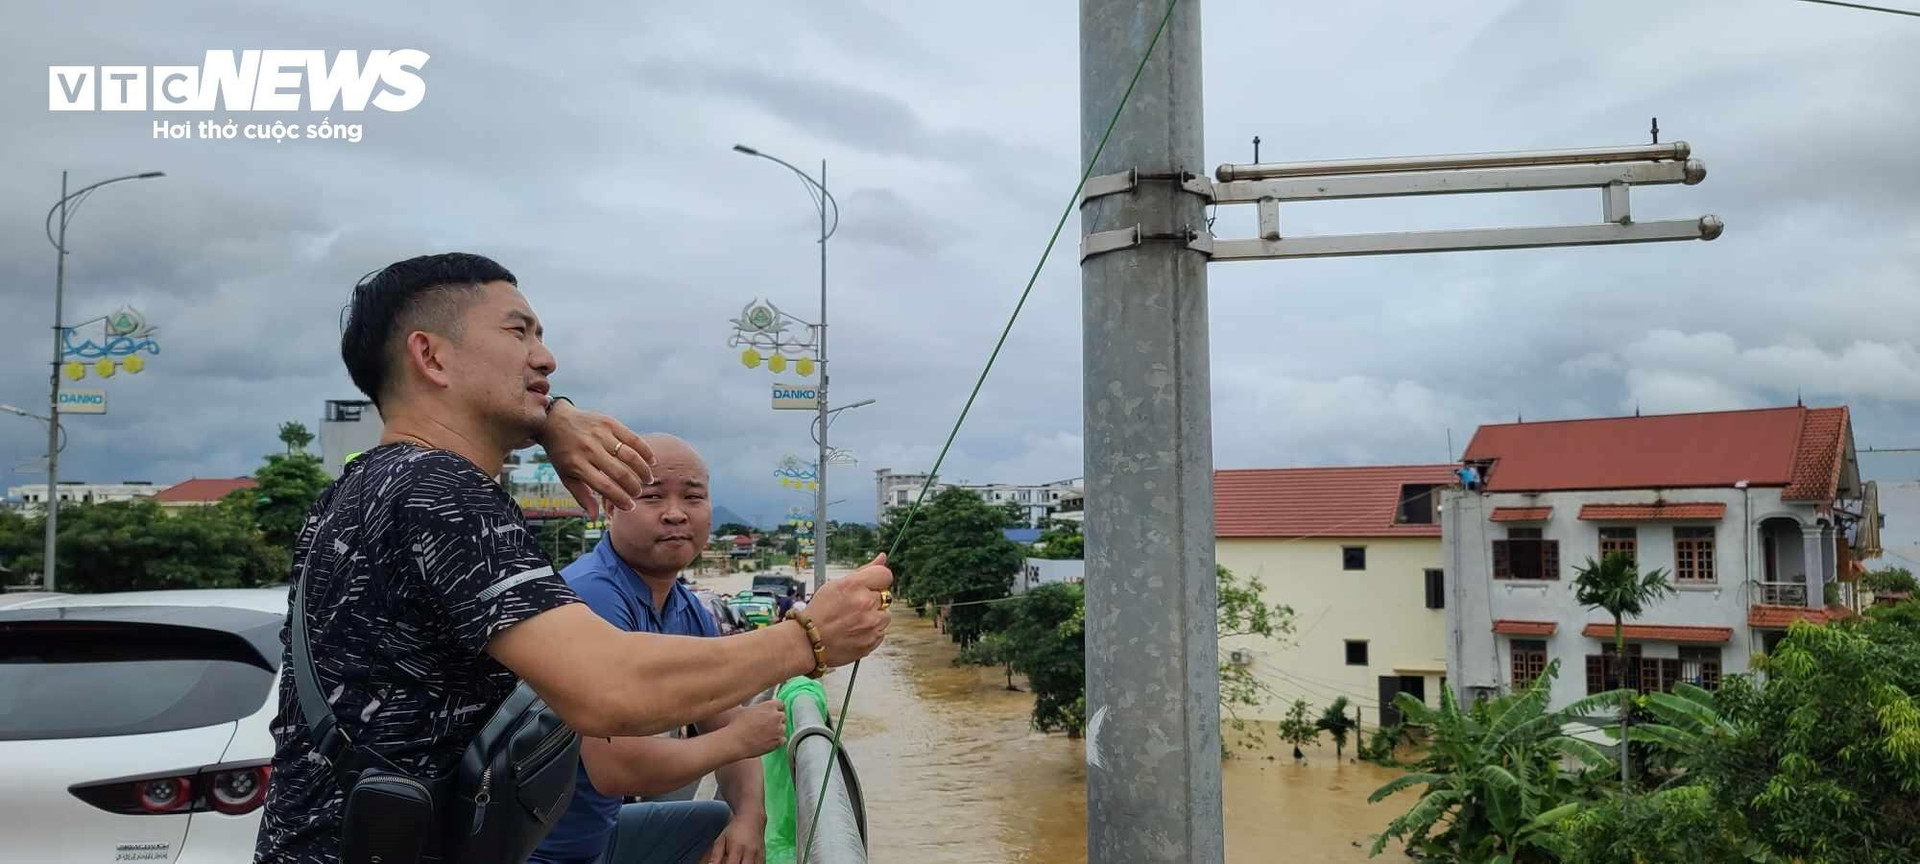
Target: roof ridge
<point>1434,465</point>
<point>1655,416</point>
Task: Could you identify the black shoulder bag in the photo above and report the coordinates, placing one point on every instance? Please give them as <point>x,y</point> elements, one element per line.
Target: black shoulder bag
<point>511,786</point>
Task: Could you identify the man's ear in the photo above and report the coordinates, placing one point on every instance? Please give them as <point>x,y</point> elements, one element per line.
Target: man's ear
<point>425,354</point>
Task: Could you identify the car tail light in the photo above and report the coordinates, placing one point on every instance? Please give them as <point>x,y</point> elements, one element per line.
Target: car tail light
<point>229,789</point>
<point>239,790</point>
<point>164,794</point>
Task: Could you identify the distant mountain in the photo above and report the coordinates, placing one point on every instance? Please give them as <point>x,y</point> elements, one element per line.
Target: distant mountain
<point>722,515</point>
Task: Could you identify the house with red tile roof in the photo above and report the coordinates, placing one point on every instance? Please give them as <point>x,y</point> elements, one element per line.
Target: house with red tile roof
<point>201,491</point>
<point>1356,553</point>
<point>1758,517</point>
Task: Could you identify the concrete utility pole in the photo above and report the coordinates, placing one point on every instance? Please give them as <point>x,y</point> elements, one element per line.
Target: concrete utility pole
<point>1153,730</point>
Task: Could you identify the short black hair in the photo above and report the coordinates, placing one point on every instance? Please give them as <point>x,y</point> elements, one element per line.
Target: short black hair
<point>425,293</point>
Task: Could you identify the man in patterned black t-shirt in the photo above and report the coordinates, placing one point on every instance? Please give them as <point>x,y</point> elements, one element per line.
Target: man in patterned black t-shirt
<point>428,598</point>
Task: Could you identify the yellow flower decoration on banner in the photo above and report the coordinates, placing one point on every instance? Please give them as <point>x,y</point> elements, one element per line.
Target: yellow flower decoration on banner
<point>103,368</point>
<point>777,363</point>
<point>750,358</point>
<point>134,364</point>
<point>804,366</point>
<point>74,370</point>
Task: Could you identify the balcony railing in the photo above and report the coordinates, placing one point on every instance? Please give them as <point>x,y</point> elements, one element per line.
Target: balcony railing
<point>1783,594</point>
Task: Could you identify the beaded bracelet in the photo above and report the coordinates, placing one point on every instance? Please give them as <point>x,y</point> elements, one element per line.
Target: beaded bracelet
<point>813,636</point>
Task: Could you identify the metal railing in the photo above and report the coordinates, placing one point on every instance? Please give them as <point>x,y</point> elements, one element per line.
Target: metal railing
<point>842,834</point>
<point>1783,594</point>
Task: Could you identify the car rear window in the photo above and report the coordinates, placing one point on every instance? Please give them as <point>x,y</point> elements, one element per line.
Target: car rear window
<point>84,680</point>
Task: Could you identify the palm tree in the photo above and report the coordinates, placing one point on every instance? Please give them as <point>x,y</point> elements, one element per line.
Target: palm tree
<point>1337,724</point>
<point>1494,783</point>
<point>1616,585</point>
<point>294,434</point>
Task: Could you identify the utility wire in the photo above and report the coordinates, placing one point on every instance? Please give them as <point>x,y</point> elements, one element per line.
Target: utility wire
<point>840,723</point>
<point>1865,7</point>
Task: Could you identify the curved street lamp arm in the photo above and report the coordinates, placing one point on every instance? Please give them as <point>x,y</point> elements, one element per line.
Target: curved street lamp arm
<point>84,190</point>
<point>812,183</point>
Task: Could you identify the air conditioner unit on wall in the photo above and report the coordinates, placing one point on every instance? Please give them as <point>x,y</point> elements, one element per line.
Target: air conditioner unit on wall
<point>1240,657</point>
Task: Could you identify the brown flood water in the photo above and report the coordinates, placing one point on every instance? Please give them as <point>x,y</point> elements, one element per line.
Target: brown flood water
<point>953,774</point>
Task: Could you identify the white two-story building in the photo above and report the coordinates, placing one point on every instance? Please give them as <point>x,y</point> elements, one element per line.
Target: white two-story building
<point>1753,515</point>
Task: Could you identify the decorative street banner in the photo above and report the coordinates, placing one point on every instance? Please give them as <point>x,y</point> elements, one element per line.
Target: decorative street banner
<point>125,335</point>
<point>763,327</point>
<point>83,401</point>
<point>795,474</point>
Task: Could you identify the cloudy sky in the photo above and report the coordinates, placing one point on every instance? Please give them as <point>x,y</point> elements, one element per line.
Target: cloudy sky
<point>591,156</point>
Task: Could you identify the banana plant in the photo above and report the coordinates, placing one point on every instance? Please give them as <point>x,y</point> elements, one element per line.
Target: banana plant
<point>1496,776</point>
<point>1689,719</point>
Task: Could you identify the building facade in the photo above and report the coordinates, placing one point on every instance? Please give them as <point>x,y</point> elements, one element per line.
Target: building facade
<point>33,497</point>
<point>1356,554</point>
<point>1041,501</point>
<point>349,426</point>
<point>1035,572</point>
<point>1752,514</point>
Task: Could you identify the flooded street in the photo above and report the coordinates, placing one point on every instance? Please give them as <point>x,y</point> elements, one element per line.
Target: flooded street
<point>953,774</point>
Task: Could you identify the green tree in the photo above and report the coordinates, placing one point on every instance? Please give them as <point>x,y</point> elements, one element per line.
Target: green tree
<point>1242,613</point>
<point>138,546</point>
<point>1013,515</point>
<point>1617,586</point>
<point>1494,783</point>
<point>1062,541</point>
<point>1380,745</point>
<point>1046,631</point>
<point>853,543</point>
<point>1046,640</point>
<point>733,528</point>
<point>994,648</point>
<point>953,553</point>
<point>1891,580</point>
<point>1337,724</point>
<point>284,490</point>
<point>1824,759</point>
<point>1297,730</point>
<point>1681,824</point>
<point>294,434</point>
<point>18,536</point>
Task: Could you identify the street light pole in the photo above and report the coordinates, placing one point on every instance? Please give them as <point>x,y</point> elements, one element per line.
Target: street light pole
<point>49,565</point>
<point>821,202</point>
<point>820,527</point>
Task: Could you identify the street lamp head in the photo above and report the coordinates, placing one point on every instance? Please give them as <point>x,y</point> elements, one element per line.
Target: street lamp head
<point>742,148</point>
<point>151,174</point>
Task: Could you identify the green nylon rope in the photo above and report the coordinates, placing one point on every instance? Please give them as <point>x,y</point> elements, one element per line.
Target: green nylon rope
<point>833,755</point>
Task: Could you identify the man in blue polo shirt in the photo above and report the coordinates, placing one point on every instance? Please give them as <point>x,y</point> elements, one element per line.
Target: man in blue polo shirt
<point>630,579</point>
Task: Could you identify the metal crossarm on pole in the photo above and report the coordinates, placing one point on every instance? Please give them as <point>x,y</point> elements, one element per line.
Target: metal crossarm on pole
<point>1614,171</point>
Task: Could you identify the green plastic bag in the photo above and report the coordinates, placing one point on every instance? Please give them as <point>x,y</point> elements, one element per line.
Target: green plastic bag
<point>782,824</point>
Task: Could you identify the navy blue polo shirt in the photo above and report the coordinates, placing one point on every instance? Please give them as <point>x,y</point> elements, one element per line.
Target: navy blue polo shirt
<point>612,589</point>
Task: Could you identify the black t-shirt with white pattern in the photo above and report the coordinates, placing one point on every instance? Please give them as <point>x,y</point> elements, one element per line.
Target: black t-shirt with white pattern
<point>414,559</point>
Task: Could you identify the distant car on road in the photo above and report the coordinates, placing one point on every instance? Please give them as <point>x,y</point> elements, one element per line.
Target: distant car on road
<point>753,608</point>
<point>779,585</point>
<point>134,727</point>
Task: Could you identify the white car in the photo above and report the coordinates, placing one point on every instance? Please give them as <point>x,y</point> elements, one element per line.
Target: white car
<point>134,727</point>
